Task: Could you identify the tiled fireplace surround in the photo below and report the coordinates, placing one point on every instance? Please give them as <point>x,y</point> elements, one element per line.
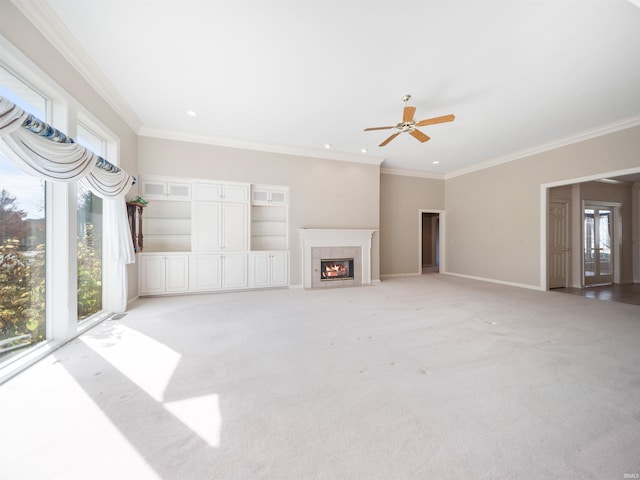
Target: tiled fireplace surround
<point>321,244</point>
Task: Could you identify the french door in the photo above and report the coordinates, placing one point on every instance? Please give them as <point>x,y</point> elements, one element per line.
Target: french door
<point>598,245</point>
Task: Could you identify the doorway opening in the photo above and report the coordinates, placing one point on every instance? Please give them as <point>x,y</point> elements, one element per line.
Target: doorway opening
<point>600,238</point>
<point>430,242</point>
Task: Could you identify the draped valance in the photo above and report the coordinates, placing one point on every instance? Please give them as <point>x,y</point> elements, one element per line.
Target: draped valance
<point>47,153</point>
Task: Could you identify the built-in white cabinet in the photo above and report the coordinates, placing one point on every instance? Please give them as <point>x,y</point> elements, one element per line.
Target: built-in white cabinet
<point>269,218</point>
<point>213,271</point>
<point>220,192</point>
<point>220,226</point>
<point>204,236</point>
<point>269,269</point>
<point>162,273</point>
<point>234,270</point>
<point>268,195</point>
<point>205,271</point>
<point>161,189</point>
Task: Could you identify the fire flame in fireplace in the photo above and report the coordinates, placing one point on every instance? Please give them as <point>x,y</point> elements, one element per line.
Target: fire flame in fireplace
<point>333,270</point>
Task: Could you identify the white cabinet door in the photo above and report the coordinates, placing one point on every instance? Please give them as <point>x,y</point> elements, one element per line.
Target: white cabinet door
<point>260,270</point>
<point>269,269</point>
<point>178,191</point>
<point>206,220</point>
<point>235,193</point>
<point>160,189</point>
<point>152,274</point>
<point>234,270</point>
<point>260,196</point>
<point>266,195</point>
<point>220,192</point>
<point>278,197</point>
<point>235,220</point>
<point>208,192</point>
<point>177,273</point>
<point>162,273</point>
<point>279,269</point>
<point>205,270</point>
<point>151,189</point>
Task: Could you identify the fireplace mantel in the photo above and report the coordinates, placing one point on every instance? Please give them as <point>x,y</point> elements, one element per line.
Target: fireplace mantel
<point>335,237</point>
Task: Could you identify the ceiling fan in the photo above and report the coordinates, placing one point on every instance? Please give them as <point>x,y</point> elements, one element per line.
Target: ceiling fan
<point>408,124</point>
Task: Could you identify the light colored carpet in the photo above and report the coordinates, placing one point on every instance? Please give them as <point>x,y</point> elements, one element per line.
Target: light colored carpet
<point>416,378</point>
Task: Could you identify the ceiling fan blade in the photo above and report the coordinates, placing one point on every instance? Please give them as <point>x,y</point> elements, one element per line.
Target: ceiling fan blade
<point>419,135</point>
<point>433,121</point>
<point>408,114</point>
<point>389,139</point>
<point>377,128</point>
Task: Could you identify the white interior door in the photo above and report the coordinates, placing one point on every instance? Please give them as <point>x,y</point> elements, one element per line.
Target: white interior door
<point>598,245</point>
<point>558,250</point>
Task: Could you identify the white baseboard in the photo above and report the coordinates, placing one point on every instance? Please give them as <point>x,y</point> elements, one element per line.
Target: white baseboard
<point>501,282</point>
<point>391,275</point>
<point>132,301</point>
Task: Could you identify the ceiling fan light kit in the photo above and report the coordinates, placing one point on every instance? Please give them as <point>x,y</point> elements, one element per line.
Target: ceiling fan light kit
<point>408,124</point>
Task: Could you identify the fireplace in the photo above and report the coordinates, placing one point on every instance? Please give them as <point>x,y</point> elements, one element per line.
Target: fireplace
<point>336,269</point>
<point>336,246</point>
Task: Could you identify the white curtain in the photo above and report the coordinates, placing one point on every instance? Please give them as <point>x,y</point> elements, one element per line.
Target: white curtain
<point>66,162</point>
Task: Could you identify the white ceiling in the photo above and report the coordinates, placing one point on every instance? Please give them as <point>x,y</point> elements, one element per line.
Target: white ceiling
<point>520,76</point>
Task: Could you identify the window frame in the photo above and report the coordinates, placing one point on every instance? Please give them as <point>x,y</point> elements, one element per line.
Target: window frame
<point>63,113</point>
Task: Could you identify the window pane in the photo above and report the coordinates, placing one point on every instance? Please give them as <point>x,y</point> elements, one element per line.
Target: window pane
<point>22,259</point>
<point>89,237</point>
<point>15,90</point>
<point>22,237</point>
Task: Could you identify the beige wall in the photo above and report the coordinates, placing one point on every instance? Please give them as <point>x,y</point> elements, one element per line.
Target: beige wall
<point>493,222</point>
<point>401,199</point>
<point>322,193</point>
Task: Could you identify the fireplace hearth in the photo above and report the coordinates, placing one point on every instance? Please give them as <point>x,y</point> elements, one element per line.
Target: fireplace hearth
<point>336,269</point>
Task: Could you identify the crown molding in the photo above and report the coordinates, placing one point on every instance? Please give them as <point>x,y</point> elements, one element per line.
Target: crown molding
<point>47,21</point>
<point>412,173</point>
<point>563,142</point>
<point>257,146</point>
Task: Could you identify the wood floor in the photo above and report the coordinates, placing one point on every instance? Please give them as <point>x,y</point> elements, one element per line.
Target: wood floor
<point>629,293</point>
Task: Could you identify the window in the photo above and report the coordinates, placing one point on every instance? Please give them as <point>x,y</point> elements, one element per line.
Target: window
<point>90,284</point>
<point>22,238</point>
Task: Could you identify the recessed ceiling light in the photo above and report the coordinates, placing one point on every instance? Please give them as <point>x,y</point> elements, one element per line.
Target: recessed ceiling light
<point>435,162</point>
<point>191,113</point>
<point>327,145</point>
<point>363,150</point>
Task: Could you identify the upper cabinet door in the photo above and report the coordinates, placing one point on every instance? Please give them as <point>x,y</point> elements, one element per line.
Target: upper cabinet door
<point>220,192</point>
<point>278,197</point>
<point>158,189</point>
<point>154,189</point>
<point>207,192</point>
<point>235,193</point>
<point>267,195</point>
<point>260,197</point>
<point>178,191</point>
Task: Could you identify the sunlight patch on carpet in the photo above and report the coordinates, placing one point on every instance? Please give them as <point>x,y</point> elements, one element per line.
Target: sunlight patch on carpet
<point>200,414</point>
<point>143,360</point>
